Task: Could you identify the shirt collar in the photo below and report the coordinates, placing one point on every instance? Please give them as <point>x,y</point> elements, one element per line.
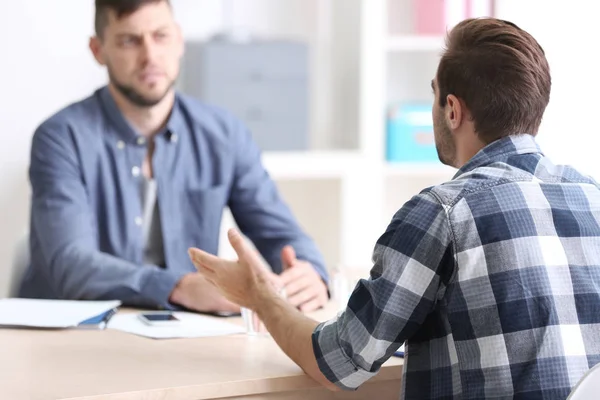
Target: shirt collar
<point>128,132</point>
<point>500,150</point>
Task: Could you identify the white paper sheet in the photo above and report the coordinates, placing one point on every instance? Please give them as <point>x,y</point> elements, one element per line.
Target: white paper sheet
<point>35,313</point>
<point>191,325</point>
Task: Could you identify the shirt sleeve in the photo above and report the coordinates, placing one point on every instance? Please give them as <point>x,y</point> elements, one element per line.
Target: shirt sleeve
<point>388,307</point>
<point>261,213</point>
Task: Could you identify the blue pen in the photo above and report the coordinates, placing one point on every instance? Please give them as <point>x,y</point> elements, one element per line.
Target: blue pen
<point>399,352</point>
<point>107,316</point>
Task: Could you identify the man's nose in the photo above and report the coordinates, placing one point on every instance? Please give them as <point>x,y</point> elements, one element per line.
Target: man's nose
<point>149,50</point>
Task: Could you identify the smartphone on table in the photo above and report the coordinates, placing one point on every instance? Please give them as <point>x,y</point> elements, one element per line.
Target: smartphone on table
<point>159,318</point>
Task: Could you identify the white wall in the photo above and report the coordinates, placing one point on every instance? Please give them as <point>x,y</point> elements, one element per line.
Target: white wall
<point>45,65</point>
<point>568,32</point>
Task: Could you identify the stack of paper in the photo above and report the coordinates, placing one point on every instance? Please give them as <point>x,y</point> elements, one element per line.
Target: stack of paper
<point>33,313</point>
<point>190,326</point>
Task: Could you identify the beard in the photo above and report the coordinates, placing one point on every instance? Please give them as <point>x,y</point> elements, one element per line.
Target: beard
<point>135,97</point>
<point>444,143</point>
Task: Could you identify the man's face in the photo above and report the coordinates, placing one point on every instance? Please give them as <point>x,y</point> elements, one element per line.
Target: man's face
<point>444,141</point>
<point>142,53</point>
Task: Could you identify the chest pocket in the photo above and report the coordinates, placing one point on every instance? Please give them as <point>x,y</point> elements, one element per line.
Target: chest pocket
<point>202,210</point>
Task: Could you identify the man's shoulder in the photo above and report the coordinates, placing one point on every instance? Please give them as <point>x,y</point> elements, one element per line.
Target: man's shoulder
<point>508,179</point>
<point>209,118</point>
<point>449,192</point>
<point>199,108</point>
<point>478,180</point>
<point>84,112</point>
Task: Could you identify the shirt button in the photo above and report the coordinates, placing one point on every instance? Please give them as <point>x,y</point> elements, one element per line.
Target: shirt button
<point>138,221</point>
<point>174,138</point>
<point>141,141</point>
<point>120,145</point>
<point>135,171</point>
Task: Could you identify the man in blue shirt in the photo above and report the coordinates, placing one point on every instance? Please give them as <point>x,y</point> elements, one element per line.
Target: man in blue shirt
<point>491,280</point>
<point>125,181</point>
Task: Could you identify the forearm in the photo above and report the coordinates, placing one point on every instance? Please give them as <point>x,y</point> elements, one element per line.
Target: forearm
<point>79,273</point>
<point>292,331</point>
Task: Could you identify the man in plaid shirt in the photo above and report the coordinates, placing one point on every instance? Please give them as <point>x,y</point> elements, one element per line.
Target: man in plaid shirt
<point>491,279</point>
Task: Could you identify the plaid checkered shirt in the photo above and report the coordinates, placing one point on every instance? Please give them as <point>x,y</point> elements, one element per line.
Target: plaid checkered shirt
<point>491,280</point>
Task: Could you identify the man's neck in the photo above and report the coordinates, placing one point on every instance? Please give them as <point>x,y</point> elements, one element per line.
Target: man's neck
<point>148,121</point>
<point>468,145</point>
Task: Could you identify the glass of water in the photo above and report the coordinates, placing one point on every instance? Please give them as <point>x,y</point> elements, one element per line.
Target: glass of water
<point>254,326</point>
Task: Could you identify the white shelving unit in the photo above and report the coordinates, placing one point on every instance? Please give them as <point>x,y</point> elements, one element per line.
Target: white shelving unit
<point>317,164</point>
<point>414,43</point>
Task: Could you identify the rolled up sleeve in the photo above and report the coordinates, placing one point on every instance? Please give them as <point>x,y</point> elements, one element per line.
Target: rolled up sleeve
<point>411,260</point>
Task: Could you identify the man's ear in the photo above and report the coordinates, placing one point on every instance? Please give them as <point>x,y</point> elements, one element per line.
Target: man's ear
<point>455,112</point>
<point>95,46</point>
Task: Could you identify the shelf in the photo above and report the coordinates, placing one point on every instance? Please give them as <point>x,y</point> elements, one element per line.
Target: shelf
<point>412,169</point>
<point>414,43</point>
<point>308,165</point>
<point>315,165</point>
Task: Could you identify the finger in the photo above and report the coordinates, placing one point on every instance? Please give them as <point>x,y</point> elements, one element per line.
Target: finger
<point>211,282</point>
<point>205,272</point>
<point>303,297</point>
<point>230,306</point>
<point>288,257</point>
<point>297,285</point>
<point>264,266</point>
<point>311,305</point>
<point>292,274</point>
<point>244,251</point>
<point>201,258</point>
<point>239,244</point>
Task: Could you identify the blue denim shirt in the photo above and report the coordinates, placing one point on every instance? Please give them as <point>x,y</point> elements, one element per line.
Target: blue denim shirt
<point>86,228</point>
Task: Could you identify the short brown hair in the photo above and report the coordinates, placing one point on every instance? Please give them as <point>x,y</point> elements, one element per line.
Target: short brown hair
<point>501,74</point>
<point>122,8</point>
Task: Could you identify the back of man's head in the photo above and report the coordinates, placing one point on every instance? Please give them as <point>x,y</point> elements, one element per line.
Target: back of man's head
<point>121,8</point>
<point>501,74</point>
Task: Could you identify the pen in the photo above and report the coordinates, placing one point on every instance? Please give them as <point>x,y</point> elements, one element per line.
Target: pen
<point>109,314</point>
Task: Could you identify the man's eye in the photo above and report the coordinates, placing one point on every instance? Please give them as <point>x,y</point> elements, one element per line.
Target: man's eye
<point>127,42</point>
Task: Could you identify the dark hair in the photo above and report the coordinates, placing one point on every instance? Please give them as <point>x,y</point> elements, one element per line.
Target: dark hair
<point>122,8</point>
<point>501,74</point>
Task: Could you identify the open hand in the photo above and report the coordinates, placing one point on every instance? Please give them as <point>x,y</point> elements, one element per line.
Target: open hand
<point>304,287</point>
<point>241,282</point>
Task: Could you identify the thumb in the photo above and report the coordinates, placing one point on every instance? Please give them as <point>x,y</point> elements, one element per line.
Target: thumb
<point>288,257</point>
<point>243,251</point>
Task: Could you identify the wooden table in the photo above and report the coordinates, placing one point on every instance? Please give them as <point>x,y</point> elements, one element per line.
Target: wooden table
<point>113,365</point>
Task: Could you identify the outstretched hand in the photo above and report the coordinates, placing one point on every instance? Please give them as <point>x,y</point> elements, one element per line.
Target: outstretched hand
<point>242,281</point>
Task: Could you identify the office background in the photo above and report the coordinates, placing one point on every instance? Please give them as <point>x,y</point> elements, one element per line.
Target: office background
<point>45,64</point>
